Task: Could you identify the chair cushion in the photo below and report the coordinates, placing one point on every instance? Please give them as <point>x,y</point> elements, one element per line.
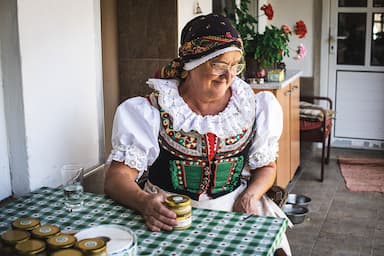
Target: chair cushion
<point>306,125</point>
<point>308,112</point>
<point>312,131</point>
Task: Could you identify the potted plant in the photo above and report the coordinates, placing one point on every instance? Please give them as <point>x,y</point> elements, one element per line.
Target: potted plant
<point>263,51</point>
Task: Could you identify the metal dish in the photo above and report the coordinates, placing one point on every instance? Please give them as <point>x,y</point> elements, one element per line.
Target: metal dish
<point>295,213</point>
<point>300,200</point>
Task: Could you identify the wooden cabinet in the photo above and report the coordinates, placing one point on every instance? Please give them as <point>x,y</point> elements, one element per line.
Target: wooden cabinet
<point>288,159</point>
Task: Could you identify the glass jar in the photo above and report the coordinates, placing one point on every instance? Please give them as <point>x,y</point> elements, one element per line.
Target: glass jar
<point>45,231</point>
<point>67,252</point>
<point>62,241</point>
<point>181,205</point>
<point>92,246</point>
<point>26,224</point>
<point>12,237</point>
<point>31,247</point>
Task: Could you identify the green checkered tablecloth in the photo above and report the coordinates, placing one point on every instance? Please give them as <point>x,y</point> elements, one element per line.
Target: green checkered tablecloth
<point>212,232</point>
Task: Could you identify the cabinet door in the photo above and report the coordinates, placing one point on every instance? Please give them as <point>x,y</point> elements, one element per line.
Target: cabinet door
<point>295,126</point>
<point>283,159</point>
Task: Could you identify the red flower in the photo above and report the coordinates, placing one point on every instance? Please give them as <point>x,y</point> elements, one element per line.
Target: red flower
<point>300,29</point>
<point>268,10</point>
<point>286,29</point>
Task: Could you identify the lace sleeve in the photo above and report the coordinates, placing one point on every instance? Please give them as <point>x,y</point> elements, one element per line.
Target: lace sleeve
<point>135,133</point>
<point>269,125</point>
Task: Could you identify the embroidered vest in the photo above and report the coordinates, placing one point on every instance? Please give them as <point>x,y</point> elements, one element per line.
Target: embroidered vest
<point>190,163</point>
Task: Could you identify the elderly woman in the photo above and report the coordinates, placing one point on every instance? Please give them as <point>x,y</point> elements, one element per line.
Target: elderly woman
<point>200,131</point>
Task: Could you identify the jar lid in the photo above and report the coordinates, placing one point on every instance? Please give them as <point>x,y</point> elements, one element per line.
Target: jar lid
<point>177,200</point>
<point>61,241</point>
<point>30,246</point>
<point>45,231</point>
<point>67,252</point>
<point>26,223</point>
<point>93,245</point>
<point>12,237</point>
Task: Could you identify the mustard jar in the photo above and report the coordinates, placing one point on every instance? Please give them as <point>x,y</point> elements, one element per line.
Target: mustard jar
<point>67,252</point>
<point>62,241</point>
<point>12,237</point>
<point>31,247</point>
<point>181,205</point>
<point>45,231</point>
<point>93,246</point>
<point>26,224</point>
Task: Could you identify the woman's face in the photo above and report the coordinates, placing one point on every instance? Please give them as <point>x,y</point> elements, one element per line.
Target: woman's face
<point>213,78</point>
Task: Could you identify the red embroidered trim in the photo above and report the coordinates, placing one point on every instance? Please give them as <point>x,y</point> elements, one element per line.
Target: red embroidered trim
<point>211,140</point>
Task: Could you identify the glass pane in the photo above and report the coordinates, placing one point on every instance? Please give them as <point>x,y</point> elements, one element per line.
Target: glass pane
<point>351,38</point>
<point>352,3</point>
<point>377,46</point>
<point>378,3</point>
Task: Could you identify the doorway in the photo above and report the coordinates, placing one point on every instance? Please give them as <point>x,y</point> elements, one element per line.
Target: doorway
<point>356,72</point>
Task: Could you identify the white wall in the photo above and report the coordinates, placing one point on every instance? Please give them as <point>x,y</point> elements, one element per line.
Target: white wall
<point>185,11</point>
<point>5,180</point>
<point>59,87</point>
<point>288,12</point>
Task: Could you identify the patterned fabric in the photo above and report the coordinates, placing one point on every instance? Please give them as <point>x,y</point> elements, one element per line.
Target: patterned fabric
<point>200,37</point>
<point>212,232</point>
<point>192,164</point>
<point>313,112</point>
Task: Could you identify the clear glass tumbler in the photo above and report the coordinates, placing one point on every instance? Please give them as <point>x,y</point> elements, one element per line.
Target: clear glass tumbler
<point>72,178</point>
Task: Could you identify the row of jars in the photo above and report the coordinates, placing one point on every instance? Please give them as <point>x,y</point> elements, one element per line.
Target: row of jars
<point>28,237</point>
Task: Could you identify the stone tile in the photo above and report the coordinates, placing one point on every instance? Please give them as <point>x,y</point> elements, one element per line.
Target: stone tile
<point>301,249</point>
<point>338,245</point>
<point>340,222</point>
<point>348,226</point>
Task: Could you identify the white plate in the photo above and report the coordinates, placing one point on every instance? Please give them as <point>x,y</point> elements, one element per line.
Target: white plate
<point>122,239</point>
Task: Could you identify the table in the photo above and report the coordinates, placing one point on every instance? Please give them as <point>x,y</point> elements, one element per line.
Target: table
<point>211,233</point>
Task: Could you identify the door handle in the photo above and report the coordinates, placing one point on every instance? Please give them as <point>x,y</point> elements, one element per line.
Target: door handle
<point>342,37</point>
<point>288,92</point>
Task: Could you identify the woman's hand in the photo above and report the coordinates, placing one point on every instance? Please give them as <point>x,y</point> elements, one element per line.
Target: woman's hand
<point>121,186</point>
<point>156,215</point>
<point>261,180</point>
<point>247,203</point>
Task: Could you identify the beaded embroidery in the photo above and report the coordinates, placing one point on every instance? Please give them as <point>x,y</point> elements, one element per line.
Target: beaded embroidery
<point>200,163</point>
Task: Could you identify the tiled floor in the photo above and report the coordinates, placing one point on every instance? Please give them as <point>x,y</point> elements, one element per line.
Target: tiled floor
<point>339,222</point>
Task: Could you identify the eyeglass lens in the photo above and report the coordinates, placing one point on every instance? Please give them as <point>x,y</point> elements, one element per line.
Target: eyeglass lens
<point>221,68</point>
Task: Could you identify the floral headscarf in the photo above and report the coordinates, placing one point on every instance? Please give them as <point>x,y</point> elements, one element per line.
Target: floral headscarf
<point>200,37</point>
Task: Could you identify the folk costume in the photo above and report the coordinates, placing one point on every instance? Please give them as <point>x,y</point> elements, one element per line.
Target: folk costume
<point>204,157</point>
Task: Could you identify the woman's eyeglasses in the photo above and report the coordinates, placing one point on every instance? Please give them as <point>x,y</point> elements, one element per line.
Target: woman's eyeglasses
<point>219,68</point>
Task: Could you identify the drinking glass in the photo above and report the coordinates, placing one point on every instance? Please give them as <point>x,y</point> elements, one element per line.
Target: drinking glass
<point>72,177</point>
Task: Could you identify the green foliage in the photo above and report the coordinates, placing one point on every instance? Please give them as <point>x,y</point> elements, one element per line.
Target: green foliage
<point>271,46</point>
<point>245,24</point>
<point>267,48</point>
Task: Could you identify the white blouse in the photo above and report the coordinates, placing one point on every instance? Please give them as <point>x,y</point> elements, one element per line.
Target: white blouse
<point>136,124</point>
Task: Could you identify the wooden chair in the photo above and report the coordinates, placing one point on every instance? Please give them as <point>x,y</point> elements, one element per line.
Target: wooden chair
<point>317,128</point>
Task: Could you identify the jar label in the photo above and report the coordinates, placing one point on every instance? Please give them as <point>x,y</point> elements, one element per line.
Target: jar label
<point>45,229</point>
<point>25,222</point>
<point>61,239</point>
<point>90,244</point>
